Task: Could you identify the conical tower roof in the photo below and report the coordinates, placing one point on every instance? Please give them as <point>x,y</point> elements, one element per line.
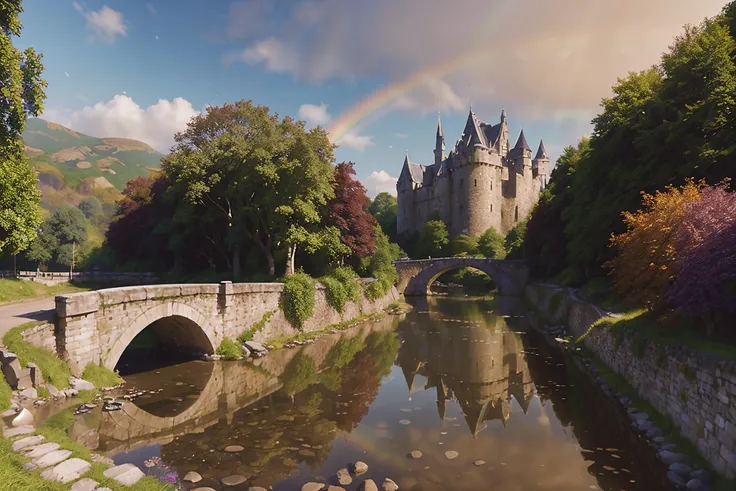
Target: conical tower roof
<point>541,152</point>
<point>521,142</point>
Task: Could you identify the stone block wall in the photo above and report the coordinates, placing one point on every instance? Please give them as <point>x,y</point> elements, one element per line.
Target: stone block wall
<point>42,336</point>
<point>697,390</point>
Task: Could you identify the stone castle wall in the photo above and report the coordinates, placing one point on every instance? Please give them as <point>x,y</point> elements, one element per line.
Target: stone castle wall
<point>96,327</point>
<point>697,390</point>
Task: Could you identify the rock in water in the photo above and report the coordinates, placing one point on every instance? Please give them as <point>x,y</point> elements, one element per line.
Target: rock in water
<point>233,480</point>
<point>192,477</point>
<point>389,485</point>
<point>30,393</point>
<point>367,485</point>
<point>80,384</point>
<point>360,468</point>
<point>234,448</point>
<point>451,454</point>
<point>416,454</point>
<point>343,477</point>
<point>314,486</point>
<point>24,418</point>
<point>479,463</point>
<point>335,488</point>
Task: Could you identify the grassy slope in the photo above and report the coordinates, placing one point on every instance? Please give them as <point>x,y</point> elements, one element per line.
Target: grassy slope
<point>13,290</point>
<point>54,370</point>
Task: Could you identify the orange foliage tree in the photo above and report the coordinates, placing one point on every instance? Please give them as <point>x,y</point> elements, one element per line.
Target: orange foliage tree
<point>643,266</point>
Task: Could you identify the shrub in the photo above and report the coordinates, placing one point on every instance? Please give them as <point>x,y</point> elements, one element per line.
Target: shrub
<point>491,244</point>
<point>433,239</point>
<point>298,298</point>
<point>643,266</point>
<point>381,267</point>
<point>514,241</point>
<point>246,336</point>
<point>101,376</point>
<point>6,394</point>
<point>375,290</point>
<point>228,350</point>
<point>336,294</point>
<point>348,278</point>
<point>464,245</point>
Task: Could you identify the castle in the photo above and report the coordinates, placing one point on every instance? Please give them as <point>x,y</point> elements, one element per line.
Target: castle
<point>481,184</point>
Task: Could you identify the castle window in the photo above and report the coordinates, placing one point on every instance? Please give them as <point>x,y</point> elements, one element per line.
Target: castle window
<point>516,214</point>
<point>475,182</point>
<point>491,207</point>
<point>491,185</point>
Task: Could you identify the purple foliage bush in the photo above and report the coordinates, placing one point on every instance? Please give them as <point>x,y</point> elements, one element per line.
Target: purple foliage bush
<point>706,254</point>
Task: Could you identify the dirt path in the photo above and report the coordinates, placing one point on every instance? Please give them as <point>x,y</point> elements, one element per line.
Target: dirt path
<point>15,314</point>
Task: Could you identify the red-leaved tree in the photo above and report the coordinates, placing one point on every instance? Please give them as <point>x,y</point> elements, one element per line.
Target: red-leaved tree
<point>348,212</point>
<point>706,259</point>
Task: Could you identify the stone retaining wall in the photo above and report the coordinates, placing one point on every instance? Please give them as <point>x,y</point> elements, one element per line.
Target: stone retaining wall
<point>697,390</point>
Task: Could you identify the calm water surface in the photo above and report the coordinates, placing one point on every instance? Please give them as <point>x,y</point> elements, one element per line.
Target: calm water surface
<point>451,376</point>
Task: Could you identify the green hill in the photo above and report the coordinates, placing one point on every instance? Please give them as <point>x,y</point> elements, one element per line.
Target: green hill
<point>64,156</point>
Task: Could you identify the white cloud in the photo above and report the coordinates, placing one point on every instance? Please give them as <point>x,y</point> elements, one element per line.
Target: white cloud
<point>355,141</point>
<point>152,9</point>
<point>314,115</point>
<point>67,74</point>
<point>106,24</point>
<point>379,182</point>
<point>248,19</point>
<point>535,57</point>
<point>401,135</point>
<point>121,117</point>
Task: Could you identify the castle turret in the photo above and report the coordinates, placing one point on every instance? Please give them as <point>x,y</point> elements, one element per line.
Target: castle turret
<point>540,165</point>
<point>439,145</point>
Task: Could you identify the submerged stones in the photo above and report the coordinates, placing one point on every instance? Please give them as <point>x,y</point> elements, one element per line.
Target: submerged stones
<point>389,485</point>
<point>234,448</point>
<point>360,468</point>
<point>233,480</point>
<point>451,454</point>
<point>343,477</point>
<point>193,477</point>
<point>416,454</point>
<point>367,485</point>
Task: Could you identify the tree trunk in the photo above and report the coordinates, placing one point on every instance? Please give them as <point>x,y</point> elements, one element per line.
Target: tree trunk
<point>236,261</point>
<point>266,248</point>
<point>709,324</point>
<point>271,264</point>
<point>290,257</point>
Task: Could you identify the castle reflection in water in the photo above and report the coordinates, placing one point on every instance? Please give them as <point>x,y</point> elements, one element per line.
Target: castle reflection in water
<point>479,368</point>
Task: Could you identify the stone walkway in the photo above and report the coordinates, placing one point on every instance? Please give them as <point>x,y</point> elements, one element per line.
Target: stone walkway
<point>55,463</point>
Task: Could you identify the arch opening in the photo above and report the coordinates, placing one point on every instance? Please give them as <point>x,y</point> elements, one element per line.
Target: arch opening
<point>165,342</point>
<point>461,280</point>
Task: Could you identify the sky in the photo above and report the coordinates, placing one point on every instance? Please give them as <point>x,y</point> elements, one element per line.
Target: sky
<point>376,74</point>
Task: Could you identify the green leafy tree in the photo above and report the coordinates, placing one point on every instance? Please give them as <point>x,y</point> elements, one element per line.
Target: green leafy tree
<point>251,177</point>
<point>544,243</point>
<point>60,234</point>
<point>385,209</point>
<point>433,238</point>
<point>92,208</point>
<point>491,244</point>
<point>22,94</point>
<point>514,241</point>
<point>464,245</point>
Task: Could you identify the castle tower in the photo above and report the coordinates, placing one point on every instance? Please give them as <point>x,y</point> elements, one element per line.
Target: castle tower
<point>540,165</point>
<point>502,145</point>
<point>439,145</point>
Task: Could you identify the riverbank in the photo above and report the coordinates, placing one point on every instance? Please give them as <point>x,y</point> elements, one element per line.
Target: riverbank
<point>694,393</point>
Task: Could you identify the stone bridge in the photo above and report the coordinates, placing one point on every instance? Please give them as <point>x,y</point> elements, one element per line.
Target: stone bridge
<point>97,327</point>
<point>416,276</point>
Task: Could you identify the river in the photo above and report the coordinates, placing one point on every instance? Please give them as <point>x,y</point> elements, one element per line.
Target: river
<point>453,377</point>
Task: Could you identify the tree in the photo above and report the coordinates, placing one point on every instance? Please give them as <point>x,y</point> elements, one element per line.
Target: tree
<point>22,94</point>
<point>347,213</point>
<point>464,245</point>
<point>514,241</point>
<point>433,238</point>
<point>544,243</point>
<point>60,234</point>
<point>385,209</point>
<point>645,254</point>
<point>251,177</point>
<point>491,244</point>
<point>705,265</point>
<point>91,208</point>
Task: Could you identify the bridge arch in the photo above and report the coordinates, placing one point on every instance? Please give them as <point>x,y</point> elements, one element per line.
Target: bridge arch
<point>416,276</point>
<point>185,328</point>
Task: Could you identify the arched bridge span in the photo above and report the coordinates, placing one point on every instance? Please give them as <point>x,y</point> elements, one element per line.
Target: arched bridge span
<point>416,276</point>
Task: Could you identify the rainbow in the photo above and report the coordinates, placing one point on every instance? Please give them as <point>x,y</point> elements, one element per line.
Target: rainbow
<point>377,104</point>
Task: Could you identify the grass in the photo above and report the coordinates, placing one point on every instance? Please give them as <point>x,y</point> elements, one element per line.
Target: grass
<point>12,475</point>
<point>229,350</point>
<point>673,329</point>
<point>280,341</point>
<point>670,431</point>
<point>54,370</point>
<point>12,290</point>
<point>100,376</point>
<point>6,394</point>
